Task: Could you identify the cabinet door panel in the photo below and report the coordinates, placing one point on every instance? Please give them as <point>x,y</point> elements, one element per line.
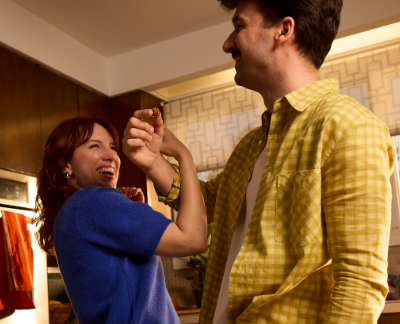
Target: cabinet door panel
<point>20,139</point>
<point>91,104</point>
<point>58,101</point>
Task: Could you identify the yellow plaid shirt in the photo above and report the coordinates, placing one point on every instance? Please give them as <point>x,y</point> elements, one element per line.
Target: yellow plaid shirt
<point>315,250</point>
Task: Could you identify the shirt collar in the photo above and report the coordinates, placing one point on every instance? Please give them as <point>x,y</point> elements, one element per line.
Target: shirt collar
<point>266,120</point>
<point>302,98</point>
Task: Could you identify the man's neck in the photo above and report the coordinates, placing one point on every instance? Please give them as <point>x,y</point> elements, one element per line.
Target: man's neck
<point>291,79</point>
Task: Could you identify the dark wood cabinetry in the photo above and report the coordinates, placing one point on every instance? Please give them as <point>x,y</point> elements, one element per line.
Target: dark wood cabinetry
<point>20,120</point>
<point>58,101</point>
<point>122,108</point>
<point>389,319</point>
<point>34,100</point>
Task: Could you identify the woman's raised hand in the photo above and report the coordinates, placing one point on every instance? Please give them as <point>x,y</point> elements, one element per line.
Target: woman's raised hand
<point>142,142</point>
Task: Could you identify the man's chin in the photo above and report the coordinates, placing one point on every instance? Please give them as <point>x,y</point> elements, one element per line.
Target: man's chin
<point>239,80</point>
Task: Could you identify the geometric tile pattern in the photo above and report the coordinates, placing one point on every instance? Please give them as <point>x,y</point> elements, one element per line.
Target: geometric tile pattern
<point>211,142</point>
<point>358,92</point>
<point>211,124</point>
<point>373,78</point>
<point>394,87</point>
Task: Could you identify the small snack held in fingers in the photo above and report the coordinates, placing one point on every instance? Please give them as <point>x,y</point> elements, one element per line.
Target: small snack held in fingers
<point>156,112</point>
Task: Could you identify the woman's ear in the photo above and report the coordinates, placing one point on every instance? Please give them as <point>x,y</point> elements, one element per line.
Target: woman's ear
<point>68,169</point>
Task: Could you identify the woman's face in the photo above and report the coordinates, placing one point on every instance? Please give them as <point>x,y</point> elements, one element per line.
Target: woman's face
<point>96,162</point>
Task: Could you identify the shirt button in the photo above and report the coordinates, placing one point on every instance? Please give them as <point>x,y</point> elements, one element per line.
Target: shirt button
<point>259,143</point>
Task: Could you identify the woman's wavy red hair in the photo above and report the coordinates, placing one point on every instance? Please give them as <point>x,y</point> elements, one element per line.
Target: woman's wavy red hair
<point>52,185</point>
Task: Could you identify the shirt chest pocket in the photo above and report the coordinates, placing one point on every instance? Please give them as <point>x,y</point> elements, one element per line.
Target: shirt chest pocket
<point>298,208</point>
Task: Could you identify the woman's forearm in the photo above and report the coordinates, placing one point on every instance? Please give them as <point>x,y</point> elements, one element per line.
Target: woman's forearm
<point>192,220</point>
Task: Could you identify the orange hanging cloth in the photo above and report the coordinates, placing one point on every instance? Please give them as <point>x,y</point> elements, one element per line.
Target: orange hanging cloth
<point>16,262</point>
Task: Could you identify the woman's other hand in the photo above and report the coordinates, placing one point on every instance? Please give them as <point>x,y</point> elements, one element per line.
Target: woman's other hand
<point>134,194</point>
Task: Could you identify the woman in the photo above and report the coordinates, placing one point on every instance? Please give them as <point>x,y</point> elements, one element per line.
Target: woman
<point>107,245</point>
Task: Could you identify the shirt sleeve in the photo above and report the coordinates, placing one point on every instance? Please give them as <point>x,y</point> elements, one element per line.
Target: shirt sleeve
<point>172,199</point>
<point>356,200</point>
<point>105,217</point>
<point>208,189</point>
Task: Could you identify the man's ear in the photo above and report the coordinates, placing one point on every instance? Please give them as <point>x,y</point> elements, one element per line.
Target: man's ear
<point>285,30</point>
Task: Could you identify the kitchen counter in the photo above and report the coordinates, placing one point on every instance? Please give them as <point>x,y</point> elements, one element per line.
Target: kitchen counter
<point>189,316</point>
<point>391,306</point>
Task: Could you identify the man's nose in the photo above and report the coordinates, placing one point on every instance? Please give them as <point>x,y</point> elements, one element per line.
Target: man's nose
<point>229,44</point>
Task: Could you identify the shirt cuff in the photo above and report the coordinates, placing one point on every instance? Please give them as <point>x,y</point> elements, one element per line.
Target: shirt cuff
<point>172,198</point>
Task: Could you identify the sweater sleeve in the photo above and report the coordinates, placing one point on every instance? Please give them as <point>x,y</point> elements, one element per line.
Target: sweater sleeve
<point>105,217</point>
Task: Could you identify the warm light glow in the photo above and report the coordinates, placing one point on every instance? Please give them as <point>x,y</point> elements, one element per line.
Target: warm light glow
<point>199,84</point>
<point>220,79</point>
<point>367,38</point>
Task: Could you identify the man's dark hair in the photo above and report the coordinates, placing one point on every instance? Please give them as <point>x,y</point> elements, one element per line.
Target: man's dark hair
<point>316,22</point>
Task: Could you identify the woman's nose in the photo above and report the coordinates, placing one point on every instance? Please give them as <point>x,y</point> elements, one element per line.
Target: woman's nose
<point>110,154</point>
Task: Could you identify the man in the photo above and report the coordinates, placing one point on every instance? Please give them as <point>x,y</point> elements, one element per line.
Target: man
<point>301,212</point>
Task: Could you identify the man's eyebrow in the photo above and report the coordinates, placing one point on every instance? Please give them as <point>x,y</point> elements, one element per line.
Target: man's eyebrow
<point>237,19</point>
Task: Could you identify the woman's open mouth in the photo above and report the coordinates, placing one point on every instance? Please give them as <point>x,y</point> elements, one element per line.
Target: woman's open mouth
<point>109,172</point>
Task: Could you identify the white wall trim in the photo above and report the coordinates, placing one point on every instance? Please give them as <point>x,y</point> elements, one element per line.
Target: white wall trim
<point>26,33</point>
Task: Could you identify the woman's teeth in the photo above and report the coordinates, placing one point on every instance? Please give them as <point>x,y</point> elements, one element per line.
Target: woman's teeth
<point>106,170</point>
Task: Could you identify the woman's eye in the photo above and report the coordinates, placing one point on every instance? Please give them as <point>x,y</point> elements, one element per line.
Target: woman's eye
<point>94,145</point>
<point>114,148</point>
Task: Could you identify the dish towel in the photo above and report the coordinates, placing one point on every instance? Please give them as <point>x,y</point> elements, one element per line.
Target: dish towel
<point>16,262</point>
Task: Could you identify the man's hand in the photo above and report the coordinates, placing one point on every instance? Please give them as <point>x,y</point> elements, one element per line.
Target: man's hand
<point>171,146</point>
<point>142,142</point>
<point>134,194</point>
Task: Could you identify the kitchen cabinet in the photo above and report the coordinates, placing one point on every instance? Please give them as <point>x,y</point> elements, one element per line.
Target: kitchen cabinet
<point>58,101</point>
<point>91,103</point>
<point>389,319</point>
<point>20,139</point>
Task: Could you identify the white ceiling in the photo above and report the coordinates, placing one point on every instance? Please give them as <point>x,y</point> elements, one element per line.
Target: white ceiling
<point>112,27</point>
<point>117,46</point>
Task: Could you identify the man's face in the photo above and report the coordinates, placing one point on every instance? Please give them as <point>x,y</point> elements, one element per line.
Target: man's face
<point>251,46</point>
